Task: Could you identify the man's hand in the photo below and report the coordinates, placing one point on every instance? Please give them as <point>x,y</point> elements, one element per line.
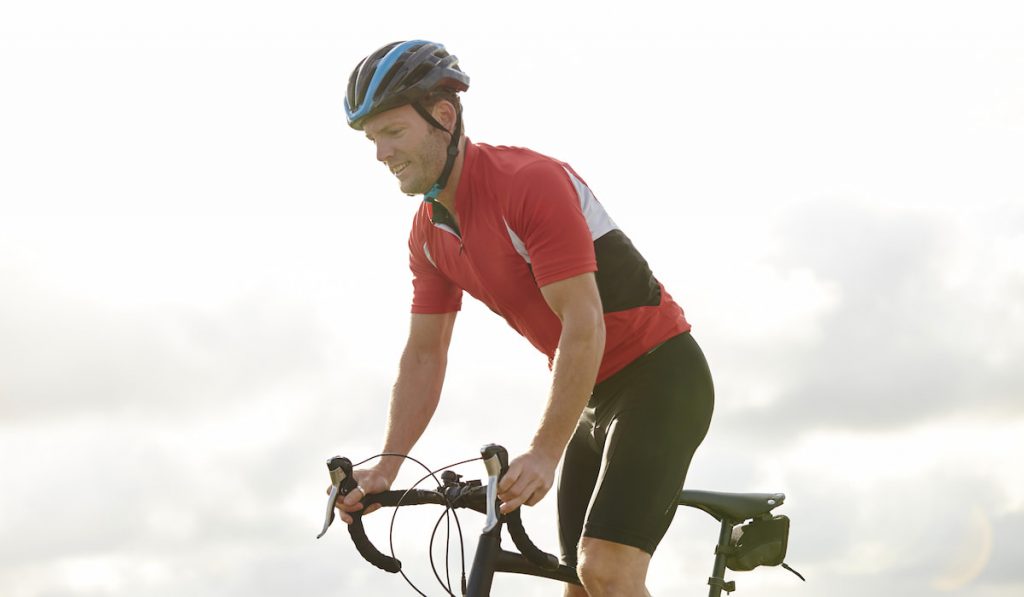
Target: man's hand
<point>528,480</point>
<point>369,481</point>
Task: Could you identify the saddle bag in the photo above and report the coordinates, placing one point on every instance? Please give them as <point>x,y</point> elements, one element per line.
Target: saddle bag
<point>760,542</point>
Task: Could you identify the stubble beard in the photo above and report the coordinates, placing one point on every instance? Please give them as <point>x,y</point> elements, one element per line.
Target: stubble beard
<point>429,161</point>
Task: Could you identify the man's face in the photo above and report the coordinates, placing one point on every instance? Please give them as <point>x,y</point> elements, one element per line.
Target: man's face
<point>413,150</point>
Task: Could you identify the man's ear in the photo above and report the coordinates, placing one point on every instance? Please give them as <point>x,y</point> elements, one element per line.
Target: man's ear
<point>444,112</point>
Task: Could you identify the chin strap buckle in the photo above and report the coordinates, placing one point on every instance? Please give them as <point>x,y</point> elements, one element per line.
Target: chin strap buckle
<point>431,195</point>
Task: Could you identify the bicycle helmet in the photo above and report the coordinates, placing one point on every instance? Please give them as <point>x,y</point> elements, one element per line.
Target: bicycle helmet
<point>406,73</point>
<point>397,74</point>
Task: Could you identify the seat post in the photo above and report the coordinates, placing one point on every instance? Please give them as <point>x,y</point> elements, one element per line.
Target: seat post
<point>717,580</point>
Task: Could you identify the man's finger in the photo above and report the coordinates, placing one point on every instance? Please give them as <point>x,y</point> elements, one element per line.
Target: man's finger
<point>523,487</point>
<point>537,495</point>
<point>345,507</point>
<point>518,496</point>
<point>511,505</point>
<point>355,495</point>
<point>511,476</point>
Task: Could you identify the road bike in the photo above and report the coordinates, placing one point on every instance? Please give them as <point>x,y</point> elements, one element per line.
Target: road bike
<point>750,534</point>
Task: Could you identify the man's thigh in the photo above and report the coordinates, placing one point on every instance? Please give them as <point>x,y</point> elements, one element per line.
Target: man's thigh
<point>650,432</point>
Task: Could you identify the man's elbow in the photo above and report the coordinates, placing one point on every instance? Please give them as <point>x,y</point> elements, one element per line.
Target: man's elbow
<point>599,333</point>
<point>587,327</point>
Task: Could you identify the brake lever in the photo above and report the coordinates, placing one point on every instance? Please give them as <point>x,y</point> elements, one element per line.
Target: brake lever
<point>496,461</point>
<point>342,482</point>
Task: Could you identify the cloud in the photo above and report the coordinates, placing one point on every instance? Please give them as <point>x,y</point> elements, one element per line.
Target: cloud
<point>904,508</point>
<point>1008,546</point>
<point>63,355</point>
<point>925,321</point>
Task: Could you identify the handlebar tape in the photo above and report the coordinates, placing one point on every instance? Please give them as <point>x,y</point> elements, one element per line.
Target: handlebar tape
<point>341,473</point>
<point>366,549</point>
<point>496,457</point>
<point>514,522</point>
<point>357,533</point>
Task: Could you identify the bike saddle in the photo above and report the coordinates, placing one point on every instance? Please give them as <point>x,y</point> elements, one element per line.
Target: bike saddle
<point>735,507</point>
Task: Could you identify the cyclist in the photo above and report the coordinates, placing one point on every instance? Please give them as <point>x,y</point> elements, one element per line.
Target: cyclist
<point>631,395</point>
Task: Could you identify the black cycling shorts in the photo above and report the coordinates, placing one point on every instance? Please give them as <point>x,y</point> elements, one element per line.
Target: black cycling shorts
<point>626,462</point>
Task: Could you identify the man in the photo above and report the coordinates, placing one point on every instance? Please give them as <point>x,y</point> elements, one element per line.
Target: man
<point>631,395</point>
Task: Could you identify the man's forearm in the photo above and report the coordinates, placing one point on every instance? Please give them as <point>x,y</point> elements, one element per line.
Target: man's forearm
<point>577,361</point>
<point>413,402</point>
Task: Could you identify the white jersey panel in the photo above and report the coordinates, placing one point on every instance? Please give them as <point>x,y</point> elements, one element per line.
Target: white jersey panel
<point>518,243</point>
<point>598,220</point>
<point>426,251</point>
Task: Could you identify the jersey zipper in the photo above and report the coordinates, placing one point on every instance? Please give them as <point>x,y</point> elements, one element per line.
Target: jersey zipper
<point>441,218</point>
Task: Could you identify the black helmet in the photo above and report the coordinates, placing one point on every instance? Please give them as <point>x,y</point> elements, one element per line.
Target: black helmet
<point>397,74</point>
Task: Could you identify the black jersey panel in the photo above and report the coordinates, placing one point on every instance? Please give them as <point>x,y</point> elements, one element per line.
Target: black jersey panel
<point>624,279</point>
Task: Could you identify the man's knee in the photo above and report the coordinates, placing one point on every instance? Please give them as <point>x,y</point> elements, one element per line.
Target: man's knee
<point>612,568</point>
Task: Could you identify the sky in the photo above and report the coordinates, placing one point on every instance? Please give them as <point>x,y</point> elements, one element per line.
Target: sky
<point>204,286</point>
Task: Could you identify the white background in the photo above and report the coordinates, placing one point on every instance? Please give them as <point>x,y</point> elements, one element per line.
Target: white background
<point>203,283</point>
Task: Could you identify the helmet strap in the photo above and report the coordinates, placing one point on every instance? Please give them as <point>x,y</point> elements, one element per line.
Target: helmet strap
<point>453,149</point>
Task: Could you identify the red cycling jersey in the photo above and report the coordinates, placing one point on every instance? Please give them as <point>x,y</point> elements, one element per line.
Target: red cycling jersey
<point>527,220</point>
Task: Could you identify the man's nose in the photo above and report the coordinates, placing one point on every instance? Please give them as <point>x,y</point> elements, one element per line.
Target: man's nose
<point>384,151</point>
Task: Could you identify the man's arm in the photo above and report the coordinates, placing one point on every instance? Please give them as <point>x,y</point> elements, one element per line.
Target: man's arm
<point>577,304</point>
<point>413,401</point>
<point>418,387</point>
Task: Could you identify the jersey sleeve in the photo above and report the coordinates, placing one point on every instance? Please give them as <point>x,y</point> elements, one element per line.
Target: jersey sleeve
<point>432,292</point>
<point>545,212</point>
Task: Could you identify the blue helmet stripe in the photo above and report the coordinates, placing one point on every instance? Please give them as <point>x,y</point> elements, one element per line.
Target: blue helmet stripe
<point>382,69</point>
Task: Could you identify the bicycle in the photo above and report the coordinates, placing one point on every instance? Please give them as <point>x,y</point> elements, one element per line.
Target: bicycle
<point>749,536</point>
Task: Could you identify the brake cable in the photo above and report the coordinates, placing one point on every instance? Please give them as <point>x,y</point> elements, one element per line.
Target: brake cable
<point>449,508</point>
<point>448,512</point>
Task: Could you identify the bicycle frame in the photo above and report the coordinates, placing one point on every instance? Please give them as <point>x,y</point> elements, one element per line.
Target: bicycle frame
<point>490,558</point>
